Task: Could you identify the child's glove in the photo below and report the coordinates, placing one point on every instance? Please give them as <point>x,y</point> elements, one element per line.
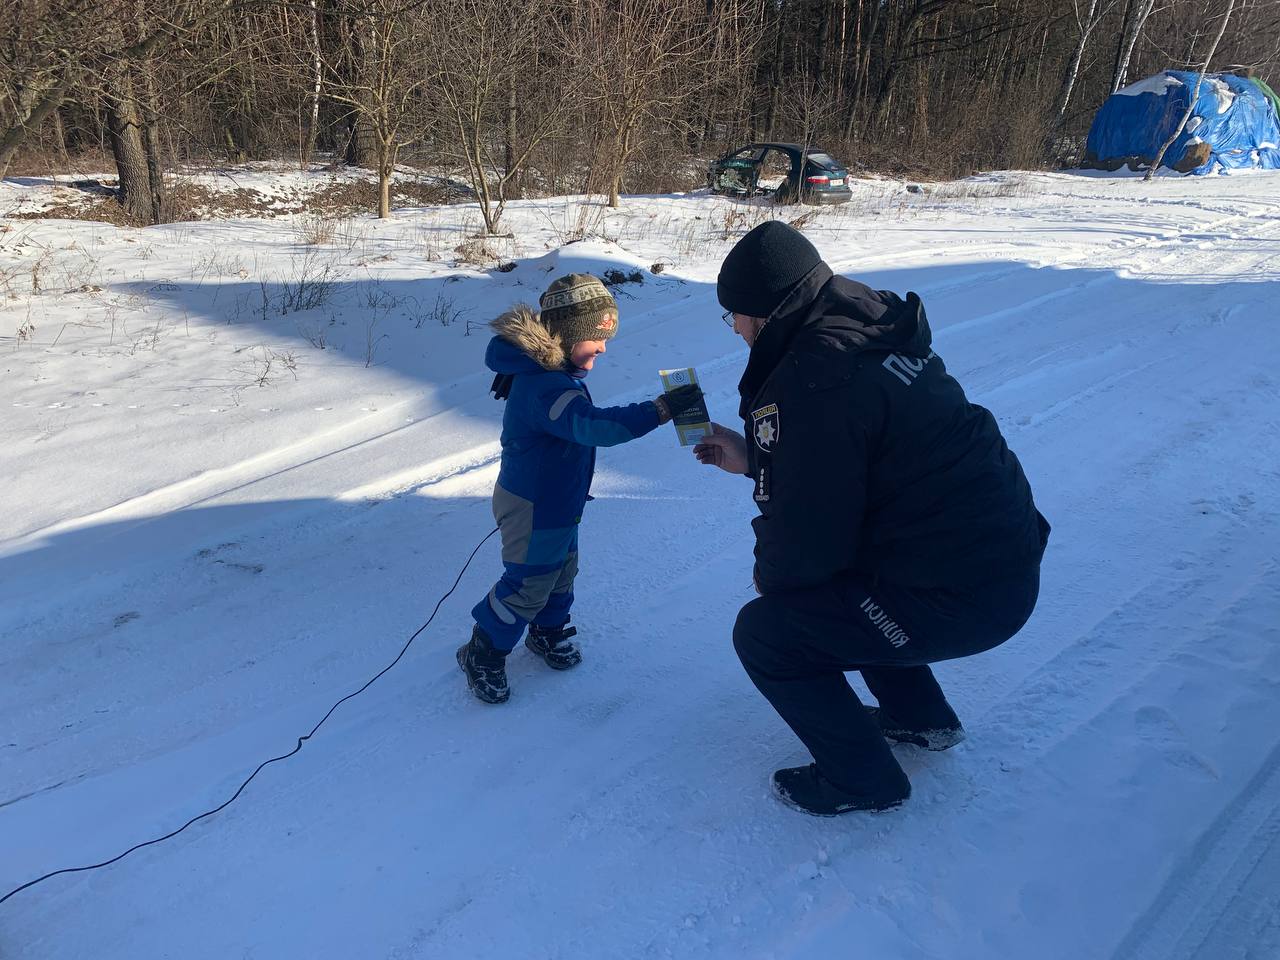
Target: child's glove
<point>678,401</point>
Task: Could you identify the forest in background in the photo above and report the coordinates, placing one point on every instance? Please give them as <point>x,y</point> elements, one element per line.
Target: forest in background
<point>536,97</point>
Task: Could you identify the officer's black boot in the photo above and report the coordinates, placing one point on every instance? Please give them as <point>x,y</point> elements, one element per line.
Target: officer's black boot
<point>805,788</point>
<point>553,645</point>
<point>485,667</point>
<point>942,738</point>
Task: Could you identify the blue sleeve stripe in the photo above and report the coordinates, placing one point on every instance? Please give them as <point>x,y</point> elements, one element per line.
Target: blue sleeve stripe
<point>600,433</point>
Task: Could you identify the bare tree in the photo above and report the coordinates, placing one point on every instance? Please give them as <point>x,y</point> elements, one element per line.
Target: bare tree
<point>317,82</point>
<point>490,60</point>
<point>129,94</point>
<point>538,95</point>
<point>379,73</point>
<point>1086,25</point>
<point>1137,12</point>
<point>41,45</point>
<point>646,61</point>
<point>36,100</point>
<point>1194,94</point>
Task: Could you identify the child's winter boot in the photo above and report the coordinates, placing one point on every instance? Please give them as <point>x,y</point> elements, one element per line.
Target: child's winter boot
<point>553,644</point>
<point>485,667</point>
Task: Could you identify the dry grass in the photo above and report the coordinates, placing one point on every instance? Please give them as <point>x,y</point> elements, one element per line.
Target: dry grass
<point>316,228</point>
<point>191,201</point>
<point>1012,188</point>
<point>478,252</point>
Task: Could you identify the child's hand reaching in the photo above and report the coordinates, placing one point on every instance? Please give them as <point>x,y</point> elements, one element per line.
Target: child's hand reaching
<point>723,448</point>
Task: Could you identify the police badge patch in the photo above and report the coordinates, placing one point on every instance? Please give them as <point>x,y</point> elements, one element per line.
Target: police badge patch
<point>766,427</point>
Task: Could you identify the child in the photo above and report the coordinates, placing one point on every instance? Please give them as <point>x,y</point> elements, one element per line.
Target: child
<point>550,430</point>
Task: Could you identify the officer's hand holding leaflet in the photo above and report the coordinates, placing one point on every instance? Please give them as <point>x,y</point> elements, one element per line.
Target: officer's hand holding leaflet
<point>723,448</point>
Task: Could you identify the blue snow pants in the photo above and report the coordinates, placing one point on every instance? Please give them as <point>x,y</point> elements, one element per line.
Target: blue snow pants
<point>539,570</point>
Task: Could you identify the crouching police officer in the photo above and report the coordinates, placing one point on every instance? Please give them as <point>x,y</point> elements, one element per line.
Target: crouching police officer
<point>896,528</point>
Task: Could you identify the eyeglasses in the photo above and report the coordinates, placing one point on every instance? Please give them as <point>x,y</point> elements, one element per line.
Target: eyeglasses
<point>727,317</point>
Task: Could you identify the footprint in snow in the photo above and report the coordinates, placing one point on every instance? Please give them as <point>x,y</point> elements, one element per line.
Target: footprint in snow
<point>244,567</point>
<point>220,548</point>
<point>1156,726</point>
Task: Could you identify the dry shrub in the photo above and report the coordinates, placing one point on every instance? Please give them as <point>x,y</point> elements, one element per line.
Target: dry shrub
<point>187,200</point>
<point>349,197</point>
<point>804,219</point>
<point>984,132</point>
<point>316,228</point>
<point>476,251</point>
<point>100,210</point>
<point>663,164</point>
<point>39,159</point>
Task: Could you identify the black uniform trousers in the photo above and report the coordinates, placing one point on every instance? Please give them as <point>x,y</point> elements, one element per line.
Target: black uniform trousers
<point>796,646</point>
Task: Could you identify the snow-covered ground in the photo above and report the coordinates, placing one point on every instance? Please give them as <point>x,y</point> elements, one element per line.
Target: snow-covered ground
<point>240,467</point>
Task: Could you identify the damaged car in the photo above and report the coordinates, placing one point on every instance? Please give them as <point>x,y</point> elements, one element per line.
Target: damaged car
<point>787,172</point>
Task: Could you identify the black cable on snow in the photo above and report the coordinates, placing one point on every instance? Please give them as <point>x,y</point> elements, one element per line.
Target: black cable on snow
<point>266,763</point>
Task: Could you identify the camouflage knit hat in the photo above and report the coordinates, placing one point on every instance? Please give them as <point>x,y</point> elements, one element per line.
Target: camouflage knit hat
<point>579,307</point>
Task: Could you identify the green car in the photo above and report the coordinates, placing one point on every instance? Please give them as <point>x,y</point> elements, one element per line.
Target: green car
<point>777,170</point>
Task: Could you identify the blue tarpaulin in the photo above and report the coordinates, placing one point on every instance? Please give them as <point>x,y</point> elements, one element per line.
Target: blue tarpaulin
<point>1233,126</point>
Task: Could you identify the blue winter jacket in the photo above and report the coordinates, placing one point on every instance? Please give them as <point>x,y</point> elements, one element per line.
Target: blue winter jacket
<point>550,428</point>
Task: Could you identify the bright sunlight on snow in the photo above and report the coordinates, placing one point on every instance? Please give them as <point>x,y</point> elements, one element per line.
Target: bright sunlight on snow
<point>243,459</point>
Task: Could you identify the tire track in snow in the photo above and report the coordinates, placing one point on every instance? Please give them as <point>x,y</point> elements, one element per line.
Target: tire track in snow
<point>1223,900</point>
<point>613,716</point>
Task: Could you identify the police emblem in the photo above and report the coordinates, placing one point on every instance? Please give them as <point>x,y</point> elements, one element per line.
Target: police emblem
<point>767,426</point>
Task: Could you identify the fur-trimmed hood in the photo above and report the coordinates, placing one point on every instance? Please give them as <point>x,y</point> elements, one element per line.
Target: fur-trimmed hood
<point>521,328</point>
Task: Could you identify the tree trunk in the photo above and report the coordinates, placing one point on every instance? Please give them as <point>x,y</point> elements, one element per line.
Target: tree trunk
<point>1195,94</point>
<point>615,178</point>
<point>841,47</point>
<point>313,131</point>
<point>60,136</point>
<point>235,152</point>
<point>920,12</point>
<point>34,108</point>
<point>161,206</point>
<point>363,148</point>
<point>859,67</point>
<point>1073,68</point>
<point>1129,41</point>
<point>820,51</point>
<point>480,182</point>
<point>511,175</point>
<point>884,90</point>
<point>384,192</point>
<point>776,93</point>
<point>386,168</point>
<point>364,143</point>
<point>128,144</point>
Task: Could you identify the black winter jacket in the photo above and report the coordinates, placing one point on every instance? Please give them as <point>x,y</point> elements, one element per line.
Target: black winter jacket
<point>867,456</point>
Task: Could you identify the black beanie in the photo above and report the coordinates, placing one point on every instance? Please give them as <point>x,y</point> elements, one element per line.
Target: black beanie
<point>763,267</point>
